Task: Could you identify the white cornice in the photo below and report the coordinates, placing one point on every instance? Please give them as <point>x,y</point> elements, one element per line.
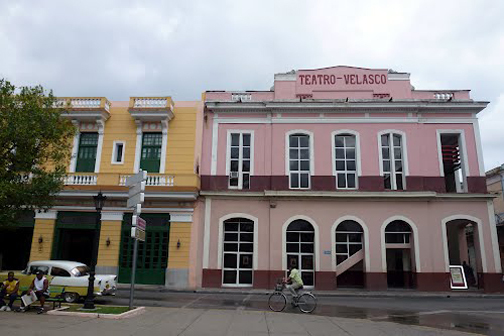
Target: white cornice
<point>181,218</point>
<point>191,196</point>
<point>49,214</point>
<point>112,216</point>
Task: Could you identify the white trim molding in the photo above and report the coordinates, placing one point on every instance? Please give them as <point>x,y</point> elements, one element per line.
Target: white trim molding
<point>164,131</point>
<point>206,232</point>
<point>101,130</point>
<point>215,142</point>
<point>404,153</point>
<point>138,146</point>
<point>255,253</point>
<point>316,250</point>
<point>75,148</point>
<point>364,227</point>
<point>357,154</point>
<point>493,234</point>
<point>114,152</point>
<point>478,222</point>
<point>416,242</point>
<point>112,216</point>
<point>181,218</point>
<point>479,147</point>
<point>46,214</point>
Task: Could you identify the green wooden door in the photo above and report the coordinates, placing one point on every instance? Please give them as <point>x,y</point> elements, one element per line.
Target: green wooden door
<point>151,152</point>
<point>86,157</point>
<point>152,254</point>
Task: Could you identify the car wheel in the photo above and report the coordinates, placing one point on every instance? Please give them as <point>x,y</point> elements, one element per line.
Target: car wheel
<point>70,297</point>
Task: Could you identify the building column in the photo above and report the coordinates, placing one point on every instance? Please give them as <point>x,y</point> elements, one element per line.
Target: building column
<point>43,235</point>
<point>110,243</point>
<point>177,273</point>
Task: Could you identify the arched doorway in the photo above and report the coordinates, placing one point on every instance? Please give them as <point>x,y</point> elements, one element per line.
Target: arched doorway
<point>399,254</point>
<point>300,248</point>
<point>462,237</point>
<point>349,240</point>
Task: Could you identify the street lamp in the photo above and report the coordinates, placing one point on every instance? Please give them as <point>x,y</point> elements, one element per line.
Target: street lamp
<point>99,201</point>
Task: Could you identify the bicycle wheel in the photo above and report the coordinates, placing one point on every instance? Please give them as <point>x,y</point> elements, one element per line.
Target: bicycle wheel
<point>277,301</point>
<point>307,303</point>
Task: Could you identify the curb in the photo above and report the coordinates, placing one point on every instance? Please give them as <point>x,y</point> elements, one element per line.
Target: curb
<point>131,313</point>
<point>339,293</point>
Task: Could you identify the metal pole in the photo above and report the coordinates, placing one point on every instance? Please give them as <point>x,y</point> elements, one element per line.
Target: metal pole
<point>89,301</point>
<point>133,271</point>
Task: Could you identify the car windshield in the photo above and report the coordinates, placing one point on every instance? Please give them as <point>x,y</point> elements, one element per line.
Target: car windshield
<point>80,271</point>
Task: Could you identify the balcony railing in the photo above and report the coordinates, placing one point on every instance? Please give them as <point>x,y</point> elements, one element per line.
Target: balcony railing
<point>83,103</point>
<point>80,179</point>
<point>151,103</point>
<point>153,180</point>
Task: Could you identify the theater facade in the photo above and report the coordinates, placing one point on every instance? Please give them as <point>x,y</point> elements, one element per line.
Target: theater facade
<point>349,174</point>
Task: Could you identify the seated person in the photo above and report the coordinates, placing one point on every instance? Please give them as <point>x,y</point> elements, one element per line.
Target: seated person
<point>295,282</point>
<point>39,285</point>
<point>8,288</point>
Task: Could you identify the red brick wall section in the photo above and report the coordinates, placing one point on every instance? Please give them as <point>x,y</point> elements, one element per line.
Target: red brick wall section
<point>376,281</point>
<point>325,280</point>
<point>212,278</point>
<point>492,282</point>
<point>433,282</point>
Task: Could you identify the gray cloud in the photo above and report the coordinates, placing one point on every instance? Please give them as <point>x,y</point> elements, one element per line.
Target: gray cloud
<point>123,48</point>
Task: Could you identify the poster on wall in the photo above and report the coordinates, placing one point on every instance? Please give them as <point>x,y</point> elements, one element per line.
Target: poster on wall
<point>457,277</point>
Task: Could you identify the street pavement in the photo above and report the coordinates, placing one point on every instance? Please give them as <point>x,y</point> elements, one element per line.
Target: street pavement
<point>188,322</point>
<point>469,314</point>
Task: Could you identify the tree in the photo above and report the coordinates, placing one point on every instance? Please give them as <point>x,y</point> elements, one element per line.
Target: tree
<point>34,149</point>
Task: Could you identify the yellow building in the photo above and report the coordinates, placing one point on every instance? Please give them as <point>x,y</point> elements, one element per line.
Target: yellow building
<point>114,140</point>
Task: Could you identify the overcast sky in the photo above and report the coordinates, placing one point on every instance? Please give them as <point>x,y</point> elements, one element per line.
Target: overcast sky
<point>122,48</point>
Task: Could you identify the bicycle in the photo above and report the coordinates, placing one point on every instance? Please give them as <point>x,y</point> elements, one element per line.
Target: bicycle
<point>306,301</point>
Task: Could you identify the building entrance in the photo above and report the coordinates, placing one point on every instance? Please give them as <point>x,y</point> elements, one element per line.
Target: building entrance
<point>16,243</point>
<point>399,254</point>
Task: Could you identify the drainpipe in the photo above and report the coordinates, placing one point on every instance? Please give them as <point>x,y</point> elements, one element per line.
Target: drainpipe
<point>501,173</point>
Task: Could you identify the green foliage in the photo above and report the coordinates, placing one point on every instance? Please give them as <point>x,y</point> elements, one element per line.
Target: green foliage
<point>34,149</point>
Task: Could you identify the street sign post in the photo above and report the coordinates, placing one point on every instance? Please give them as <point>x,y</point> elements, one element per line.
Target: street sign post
<point>136,196</point>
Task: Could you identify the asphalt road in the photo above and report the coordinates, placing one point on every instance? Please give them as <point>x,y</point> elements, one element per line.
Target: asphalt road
<point>475,315</point>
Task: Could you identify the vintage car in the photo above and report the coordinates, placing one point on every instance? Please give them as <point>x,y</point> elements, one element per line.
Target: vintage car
<point>67,279</point>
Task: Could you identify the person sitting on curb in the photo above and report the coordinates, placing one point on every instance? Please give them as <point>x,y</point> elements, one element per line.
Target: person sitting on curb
<point>39,285</point>
<point>8,288</point>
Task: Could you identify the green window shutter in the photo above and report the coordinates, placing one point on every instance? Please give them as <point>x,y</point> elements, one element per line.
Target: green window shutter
<point>86,157</point>
<point>151,152</point>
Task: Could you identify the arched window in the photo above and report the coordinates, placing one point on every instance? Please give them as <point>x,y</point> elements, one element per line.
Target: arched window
<point>300,249</point>
<point>349,239</point>
<point>238,251</point>
<point>392,153</point>
<point>345,156</point>
<point>299,161</point>
<point>397,232</point>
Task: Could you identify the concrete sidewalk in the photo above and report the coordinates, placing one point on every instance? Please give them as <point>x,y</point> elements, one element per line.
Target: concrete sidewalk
<point>336,293</point>
<point>186,322</point>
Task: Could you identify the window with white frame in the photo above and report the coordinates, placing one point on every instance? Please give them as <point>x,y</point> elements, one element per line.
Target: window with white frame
<point>118,152</point>
<point>238,251</point>
<point>299,161</point>
<point>392,161</point>
<point>345,151</point>
<point>240,154</point>
<point>397,232</point>
<point>348,240</point>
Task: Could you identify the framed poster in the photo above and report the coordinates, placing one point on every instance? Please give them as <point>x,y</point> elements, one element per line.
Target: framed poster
<point>457,277</point>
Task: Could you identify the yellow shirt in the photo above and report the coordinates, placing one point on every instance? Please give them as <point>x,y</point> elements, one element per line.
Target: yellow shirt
<point>295,276</point>
<point>10,286</point>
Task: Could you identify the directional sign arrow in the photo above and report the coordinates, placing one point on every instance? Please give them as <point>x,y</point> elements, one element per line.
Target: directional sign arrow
<point>137,199</point>
<point>136,188</point>
<point>138,177</point>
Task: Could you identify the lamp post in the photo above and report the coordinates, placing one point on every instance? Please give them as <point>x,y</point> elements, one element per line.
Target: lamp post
<point>99,201</point>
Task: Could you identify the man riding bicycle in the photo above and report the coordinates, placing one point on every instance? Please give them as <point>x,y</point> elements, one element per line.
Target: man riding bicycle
<point>294,282</point>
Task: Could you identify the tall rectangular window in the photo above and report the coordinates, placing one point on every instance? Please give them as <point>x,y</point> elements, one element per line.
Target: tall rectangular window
<point>86,157</point>
<point>151,152</point>
<point>238,251</point>
<point>240,151</point>
<point>392,161</point>
<point>299,161</point>
<point>345,161</point>
<point>453,162</point>
<point>118,152</point>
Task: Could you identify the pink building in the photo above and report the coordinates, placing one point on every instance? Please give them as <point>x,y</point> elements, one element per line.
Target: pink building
<point>349,174</point>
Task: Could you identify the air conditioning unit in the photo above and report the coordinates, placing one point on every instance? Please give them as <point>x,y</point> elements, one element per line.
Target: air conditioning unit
<point>233,174</point>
